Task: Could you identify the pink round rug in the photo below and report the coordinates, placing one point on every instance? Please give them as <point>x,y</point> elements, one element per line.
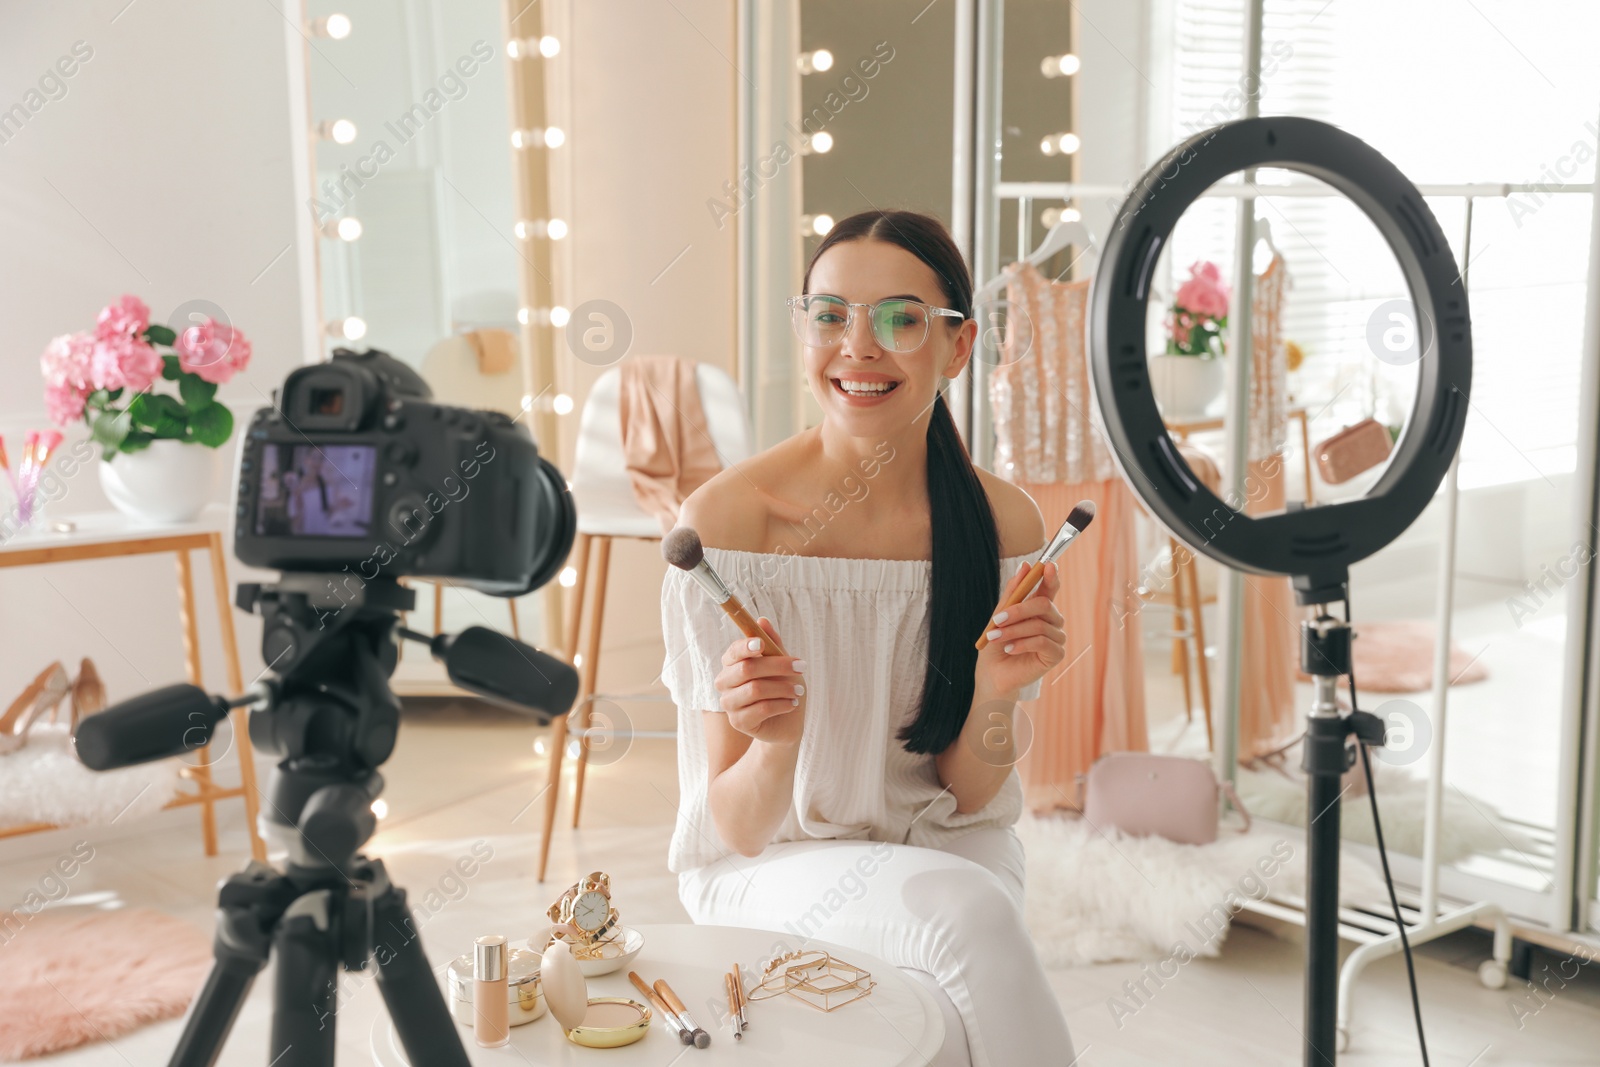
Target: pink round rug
<point>72,978</point>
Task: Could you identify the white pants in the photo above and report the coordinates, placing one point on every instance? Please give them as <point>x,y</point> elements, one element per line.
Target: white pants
<point>951,917</point>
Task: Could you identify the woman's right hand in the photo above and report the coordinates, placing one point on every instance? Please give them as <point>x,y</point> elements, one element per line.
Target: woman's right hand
<point>763,696</point>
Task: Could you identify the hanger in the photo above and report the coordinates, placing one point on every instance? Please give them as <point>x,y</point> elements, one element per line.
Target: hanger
<point>1264,233</point>
<point>1062,235</point>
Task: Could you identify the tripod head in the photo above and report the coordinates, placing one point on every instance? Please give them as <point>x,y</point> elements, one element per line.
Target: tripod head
<point>324,704</point>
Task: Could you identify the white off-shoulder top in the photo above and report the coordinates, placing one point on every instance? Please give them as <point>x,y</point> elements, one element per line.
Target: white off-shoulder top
<point>861,626</point>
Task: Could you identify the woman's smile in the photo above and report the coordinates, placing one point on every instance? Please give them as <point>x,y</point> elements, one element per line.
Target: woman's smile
<point>863,390</point>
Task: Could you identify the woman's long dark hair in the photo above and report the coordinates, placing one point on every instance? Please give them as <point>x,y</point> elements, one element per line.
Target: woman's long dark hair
<point>966,543</point>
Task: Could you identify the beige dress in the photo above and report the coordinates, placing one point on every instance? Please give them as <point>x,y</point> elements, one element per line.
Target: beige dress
<point>1049,442</point>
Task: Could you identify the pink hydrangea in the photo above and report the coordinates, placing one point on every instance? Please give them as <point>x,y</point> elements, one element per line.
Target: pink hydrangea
<point>124,362</point>
<point>1204,293</point>
<point>213,350</point>
<point>63,402</point>
<point>67,361</point>
<point>128,317</point>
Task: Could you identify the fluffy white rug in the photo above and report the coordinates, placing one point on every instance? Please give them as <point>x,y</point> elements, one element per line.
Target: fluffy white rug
<point>45,782</point>
<point>1466,826</point>
<point>1093,897</point>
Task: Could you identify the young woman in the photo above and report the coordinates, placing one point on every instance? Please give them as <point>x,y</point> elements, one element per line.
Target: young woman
<point>862,790</point>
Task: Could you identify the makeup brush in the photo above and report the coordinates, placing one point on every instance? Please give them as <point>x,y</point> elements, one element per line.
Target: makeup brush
<point>1076,523</point>
<point>683,550</point>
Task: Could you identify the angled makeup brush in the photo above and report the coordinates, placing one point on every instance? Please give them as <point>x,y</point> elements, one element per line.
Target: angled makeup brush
<point>683,550</point>
<point>1076,523</point>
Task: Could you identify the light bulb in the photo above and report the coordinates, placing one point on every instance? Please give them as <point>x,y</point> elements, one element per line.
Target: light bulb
<point>539,747</point>
<point>816,225</point>
<point>555,229</point>
<point>549,137</point>
<point>577,660</point>
<point>514,48</point>
<point>1052,216</point>
<point>814,62</point>
<point>335,27</point>
<point>820,142</point>
<point>345,229</point>
<point>339,131</point>
<point>523,316</point>
<point>380,808</point>
<point>349,328</point>
<point>1048,146</point>
<point>559,316</point>
<point>561,405</point>
<point>1060,66</point>
<point>569,577</point>
<point>1068,143</point>
<point>549,46</point>
<point>527,401</point>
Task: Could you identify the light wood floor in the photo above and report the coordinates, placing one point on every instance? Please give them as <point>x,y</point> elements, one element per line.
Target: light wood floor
<point>464,774</point>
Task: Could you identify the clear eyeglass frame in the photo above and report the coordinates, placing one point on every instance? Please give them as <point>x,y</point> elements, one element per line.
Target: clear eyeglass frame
<point>882,329</point>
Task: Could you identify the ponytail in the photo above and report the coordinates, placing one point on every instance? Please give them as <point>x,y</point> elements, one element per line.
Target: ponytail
<point>964,590</point>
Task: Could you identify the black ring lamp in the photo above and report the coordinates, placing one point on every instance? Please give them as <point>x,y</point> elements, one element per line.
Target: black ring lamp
<point>1314,546</point>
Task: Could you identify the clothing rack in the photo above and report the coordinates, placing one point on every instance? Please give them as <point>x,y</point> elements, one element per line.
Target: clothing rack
<point>1578,697</point>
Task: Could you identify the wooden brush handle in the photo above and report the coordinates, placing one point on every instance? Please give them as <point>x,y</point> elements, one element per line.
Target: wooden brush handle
<point>1018,595</point>
<point>666,994</point>
<point>750,628</point>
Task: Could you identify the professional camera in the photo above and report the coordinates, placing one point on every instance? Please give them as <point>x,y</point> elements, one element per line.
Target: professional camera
<point>357,470</point>
<point>355,473</point>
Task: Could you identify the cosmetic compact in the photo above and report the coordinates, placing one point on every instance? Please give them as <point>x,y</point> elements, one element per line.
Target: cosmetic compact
<point>603,1022</point>
<point>523,987</point>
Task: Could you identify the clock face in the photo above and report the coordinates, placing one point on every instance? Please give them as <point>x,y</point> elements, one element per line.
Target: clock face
<point>590,910</point>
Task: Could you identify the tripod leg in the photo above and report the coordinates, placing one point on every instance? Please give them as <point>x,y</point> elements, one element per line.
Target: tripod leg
<point>409,990</point>
<point>1324,765</point>
<point>305,995</point>
<point>214,1010</point>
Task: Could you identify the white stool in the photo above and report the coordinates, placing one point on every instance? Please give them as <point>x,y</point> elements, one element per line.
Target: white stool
<point>608,510</point>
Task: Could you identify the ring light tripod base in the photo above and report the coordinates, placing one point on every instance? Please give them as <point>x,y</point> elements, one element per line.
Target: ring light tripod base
<point>1313,546</point>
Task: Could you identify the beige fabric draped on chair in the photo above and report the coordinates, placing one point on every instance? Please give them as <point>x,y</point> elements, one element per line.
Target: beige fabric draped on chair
<point>1049,444</point>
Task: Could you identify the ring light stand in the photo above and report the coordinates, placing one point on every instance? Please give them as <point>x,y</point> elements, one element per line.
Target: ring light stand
<point>1313,546</point>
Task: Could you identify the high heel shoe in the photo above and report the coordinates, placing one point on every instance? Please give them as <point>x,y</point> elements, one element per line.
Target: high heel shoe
<point>88,695</point>
<point>42,694</point>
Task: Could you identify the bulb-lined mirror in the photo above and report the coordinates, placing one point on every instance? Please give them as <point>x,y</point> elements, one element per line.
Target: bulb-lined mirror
<point>414,194</point>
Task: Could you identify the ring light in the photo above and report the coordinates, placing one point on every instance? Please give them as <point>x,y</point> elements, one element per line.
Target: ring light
<point>1315,545</point>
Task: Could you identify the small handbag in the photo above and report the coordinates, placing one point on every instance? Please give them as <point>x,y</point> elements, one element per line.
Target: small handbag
<point>1352,450</point>
<point>1144,794</point>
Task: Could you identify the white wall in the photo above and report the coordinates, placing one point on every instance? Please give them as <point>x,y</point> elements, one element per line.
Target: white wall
<point>163,171</point>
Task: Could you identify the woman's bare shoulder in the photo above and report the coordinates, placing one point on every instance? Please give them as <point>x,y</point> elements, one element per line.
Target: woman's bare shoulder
<point>1016,516</point>
<point>734,508</point>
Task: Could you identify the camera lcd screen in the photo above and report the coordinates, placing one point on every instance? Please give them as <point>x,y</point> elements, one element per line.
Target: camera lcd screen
<point>310,490</point>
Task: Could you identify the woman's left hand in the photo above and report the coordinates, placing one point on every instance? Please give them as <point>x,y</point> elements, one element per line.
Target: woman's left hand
<point>1026,640</point>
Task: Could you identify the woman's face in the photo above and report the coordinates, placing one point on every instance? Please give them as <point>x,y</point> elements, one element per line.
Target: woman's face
<point>865,272</point>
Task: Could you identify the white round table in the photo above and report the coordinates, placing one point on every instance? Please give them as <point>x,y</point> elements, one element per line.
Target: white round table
<point>896,1025</point>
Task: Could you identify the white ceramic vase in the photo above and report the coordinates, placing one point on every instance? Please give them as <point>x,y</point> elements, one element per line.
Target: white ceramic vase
<point>1186,386</point>
<point>168,482</point>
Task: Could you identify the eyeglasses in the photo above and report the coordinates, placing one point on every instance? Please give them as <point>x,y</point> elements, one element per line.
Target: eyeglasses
<point>897,325</point>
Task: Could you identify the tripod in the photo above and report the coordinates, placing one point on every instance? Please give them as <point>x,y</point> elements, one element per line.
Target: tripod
<point>331,713</point>
<point>1325,655</point>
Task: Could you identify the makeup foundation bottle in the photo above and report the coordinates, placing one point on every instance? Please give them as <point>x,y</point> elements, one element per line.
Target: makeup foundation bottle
<point>491,1010</point>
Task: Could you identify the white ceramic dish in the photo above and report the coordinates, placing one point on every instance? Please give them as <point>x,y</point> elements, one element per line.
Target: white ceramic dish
<point>632,943</point>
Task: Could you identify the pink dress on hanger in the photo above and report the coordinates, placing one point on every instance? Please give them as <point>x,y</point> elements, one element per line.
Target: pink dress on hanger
<point>1048,443</point>
<point>1268,716</point>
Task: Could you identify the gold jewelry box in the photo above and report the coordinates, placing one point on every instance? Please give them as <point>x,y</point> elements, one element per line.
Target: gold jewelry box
<point>522,987</point>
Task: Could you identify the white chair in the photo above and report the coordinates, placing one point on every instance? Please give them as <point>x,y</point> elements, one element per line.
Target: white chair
<point>607,511</point>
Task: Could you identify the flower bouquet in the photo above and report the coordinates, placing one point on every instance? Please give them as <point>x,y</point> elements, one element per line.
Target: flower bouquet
<point>1199,313</point>
<point>108,378</point>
